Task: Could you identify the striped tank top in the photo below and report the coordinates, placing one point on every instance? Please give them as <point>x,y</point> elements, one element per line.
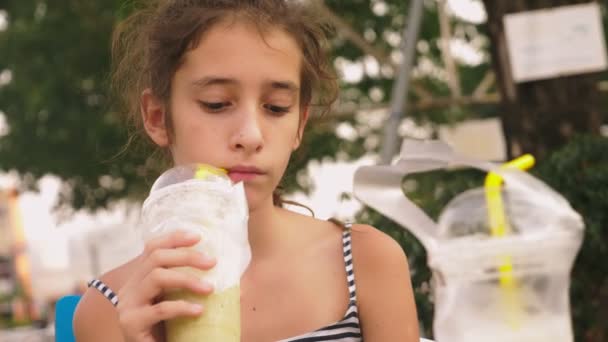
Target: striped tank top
<point>348,328</point>
<point>345,330</point>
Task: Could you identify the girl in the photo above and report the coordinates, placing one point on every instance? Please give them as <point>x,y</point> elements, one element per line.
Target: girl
<point>231,83</point>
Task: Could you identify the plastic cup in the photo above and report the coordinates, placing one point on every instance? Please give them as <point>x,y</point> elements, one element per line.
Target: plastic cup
<point>202,199</point>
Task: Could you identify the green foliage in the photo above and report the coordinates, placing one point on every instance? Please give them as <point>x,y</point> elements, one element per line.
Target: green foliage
<point>62,122</point>
<point>579,172</point>
<point>61,119</point>
<point>379,29</point>
<point>56,105</point>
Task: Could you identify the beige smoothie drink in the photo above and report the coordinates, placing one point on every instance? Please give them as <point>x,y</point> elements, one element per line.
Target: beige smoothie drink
<point>203,199</point>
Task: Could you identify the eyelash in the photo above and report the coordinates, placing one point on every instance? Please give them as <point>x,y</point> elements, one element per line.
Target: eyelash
<point>216,107</point>
<point>213,107</point>
<point>277,110</point>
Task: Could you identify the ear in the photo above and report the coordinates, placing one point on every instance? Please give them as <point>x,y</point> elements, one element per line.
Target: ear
<point>154,118</point>
<point>301,126</point>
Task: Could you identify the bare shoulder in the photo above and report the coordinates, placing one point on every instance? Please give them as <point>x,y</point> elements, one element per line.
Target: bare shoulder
<point>372,246</point>
<point>95,314</point>
<point>384,291</point>
<point>376,254</point>
<point>311,229</point>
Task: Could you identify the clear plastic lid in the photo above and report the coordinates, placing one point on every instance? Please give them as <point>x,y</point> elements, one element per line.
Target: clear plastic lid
<point>183,173</point>
<point>531,207</point>
<point>526,213</point>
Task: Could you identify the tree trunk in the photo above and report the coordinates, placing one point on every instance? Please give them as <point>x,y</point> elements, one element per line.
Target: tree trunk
<point>539,116</point>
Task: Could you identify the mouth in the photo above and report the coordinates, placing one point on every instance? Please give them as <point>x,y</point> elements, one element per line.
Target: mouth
<point>244,173</point>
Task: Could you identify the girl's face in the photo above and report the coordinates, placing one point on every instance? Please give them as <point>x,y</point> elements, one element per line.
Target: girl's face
<point>235,105</point>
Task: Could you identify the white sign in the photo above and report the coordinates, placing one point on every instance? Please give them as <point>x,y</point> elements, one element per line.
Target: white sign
<point>477,139</point>
<point>556,41</point>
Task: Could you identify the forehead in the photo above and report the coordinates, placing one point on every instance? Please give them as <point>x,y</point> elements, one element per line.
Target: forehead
<point>238,50</point>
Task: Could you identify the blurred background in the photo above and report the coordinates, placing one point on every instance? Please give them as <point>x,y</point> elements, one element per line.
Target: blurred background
<point>495,78</point>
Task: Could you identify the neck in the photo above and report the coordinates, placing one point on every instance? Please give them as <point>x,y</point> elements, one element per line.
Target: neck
<point>267,231</point>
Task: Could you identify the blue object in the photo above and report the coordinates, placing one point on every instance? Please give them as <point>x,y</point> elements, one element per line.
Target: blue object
<point>64,315</point>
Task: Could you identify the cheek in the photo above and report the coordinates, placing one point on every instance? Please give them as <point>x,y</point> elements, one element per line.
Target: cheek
<point>283,137</point>
<point>194,140</point>
<point>286,141</point>
<point>290,128</point>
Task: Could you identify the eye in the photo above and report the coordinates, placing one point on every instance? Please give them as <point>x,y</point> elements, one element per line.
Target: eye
<point>213,106</point>
<point>276,110</point>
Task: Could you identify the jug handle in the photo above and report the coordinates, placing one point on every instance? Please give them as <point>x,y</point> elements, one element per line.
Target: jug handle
<point>380,186</point>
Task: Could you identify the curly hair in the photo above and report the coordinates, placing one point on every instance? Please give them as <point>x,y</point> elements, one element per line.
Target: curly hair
<point>148,47</point>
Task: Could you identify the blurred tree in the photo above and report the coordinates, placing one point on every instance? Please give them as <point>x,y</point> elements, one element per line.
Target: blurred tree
<point>53,96</point>
<point>579,171</point>
<point>53,93</point>
<point>55,58</point>
<point>539,116</point>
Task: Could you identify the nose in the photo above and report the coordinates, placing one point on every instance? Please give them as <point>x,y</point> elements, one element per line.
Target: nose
<point>248,136</point>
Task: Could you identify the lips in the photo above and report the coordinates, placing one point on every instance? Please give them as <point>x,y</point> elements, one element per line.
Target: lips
<point>244,173</point>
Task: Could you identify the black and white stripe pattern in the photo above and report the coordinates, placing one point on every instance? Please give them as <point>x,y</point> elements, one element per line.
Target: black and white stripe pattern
<point>347,329</point>
<point>348,262</point>
<point>105,290</point>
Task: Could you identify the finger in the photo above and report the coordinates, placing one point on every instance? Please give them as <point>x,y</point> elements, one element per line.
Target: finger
<point>175,239</point>
<point>145,317</point>
<point>160,280</point>
<point>167,258</point>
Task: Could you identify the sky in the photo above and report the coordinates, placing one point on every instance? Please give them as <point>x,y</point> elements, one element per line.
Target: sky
<point>49,238</point>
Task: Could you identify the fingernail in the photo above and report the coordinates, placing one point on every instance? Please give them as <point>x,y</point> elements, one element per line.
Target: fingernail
<point>196,308</point>
<point>192,235</point>
<point>205,286</point>
<point>206,259</point>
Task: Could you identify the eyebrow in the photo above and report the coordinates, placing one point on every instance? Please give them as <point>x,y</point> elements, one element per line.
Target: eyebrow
<point>286,85</point>
<point>212,80</point>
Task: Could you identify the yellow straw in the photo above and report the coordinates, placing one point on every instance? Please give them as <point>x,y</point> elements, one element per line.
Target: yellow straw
<point>499,227</point>
<point>203,171</point>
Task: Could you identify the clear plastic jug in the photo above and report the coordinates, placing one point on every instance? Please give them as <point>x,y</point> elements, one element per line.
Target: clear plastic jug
<point>486,288</point>
<point>202,199</point>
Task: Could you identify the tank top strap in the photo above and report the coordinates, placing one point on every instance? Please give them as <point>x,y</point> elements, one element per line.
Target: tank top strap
<point>348,262</point>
